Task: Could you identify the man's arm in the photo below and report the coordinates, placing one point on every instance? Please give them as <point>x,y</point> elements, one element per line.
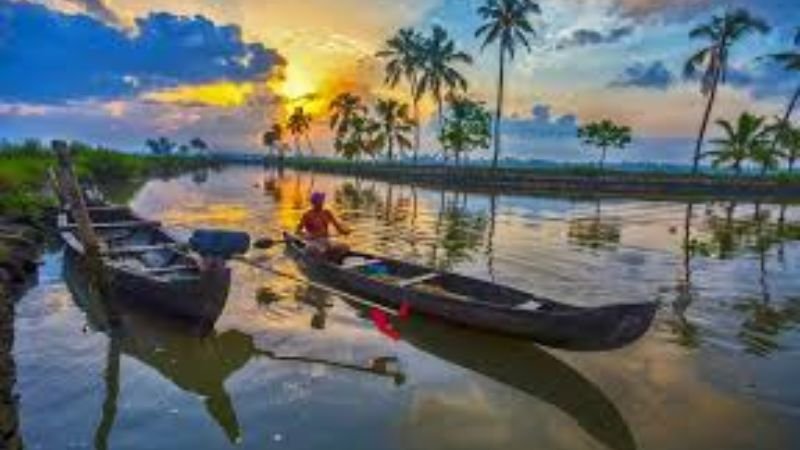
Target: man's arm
<point>338,225</point>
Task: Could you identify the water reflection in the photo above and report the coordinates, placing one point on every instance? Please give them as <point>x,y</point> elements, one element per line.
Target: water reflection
<point>197,360</point>
<point>526,367</point>
<point>595,232</point>
<point>727,236</point>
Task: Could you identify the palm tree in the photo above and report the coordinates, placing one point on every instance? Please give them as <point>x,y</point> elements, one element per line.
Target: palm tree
<point>198,144</point>
<point>790,60</point>
<point>788,139</point>
<point>740,139</point>
<point>404,53</point>
<point>395,124</point>
<point>505,22</point>
<point>299,124</point>
<point>439,76</point>
<point>272,137</point>
<point>721,33</point>
<point>343,108</point>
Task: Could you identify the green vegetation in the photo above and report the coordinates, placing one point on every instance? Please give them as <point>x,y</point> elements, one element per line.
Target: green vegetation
<point>24,166</point>
<point>506,23</point>
<point>721,33</point>
<point>466,127</point>
<point>604,135</point>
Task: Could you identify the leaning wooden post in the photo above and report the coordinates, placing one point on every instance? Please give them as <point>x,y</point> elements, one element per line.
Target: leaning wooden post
<point>73,195</point>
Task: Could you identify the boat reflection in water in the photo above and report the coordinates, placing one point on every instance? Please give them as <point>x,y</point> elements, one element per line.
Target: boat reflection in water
<point>524,366</point>
<point>198,360</point>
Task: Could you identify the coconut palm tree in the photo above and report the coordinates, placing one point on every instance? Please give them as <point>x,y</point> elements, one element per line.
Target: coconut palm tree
<point>721,33</point>
<point>272,137</point>
<point>507,23</point>
<point>439,75</point>
<point>404,55</point>
<point>343,108</point>
<point>299,124</point>
<point>789,144</point>
<point>395,125</point>
<point>740,140</point>
<point>790,60</point>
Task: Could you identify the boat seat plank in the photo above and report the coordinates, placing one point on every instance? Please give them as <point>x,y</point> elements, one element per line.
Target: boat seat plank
<point>166,270</point>
<point>358,264</point>
<point>116,225</point>
<point>417,280</point>
<point>120,251</point>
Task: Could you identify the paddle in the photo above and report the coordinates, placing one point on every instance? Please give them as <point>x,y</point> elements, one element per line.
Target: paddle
<point>266,243</point>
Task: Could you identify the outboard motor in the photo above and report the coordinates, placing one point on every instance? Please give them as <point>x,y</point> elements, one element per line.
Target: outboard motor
<point>218,246</point>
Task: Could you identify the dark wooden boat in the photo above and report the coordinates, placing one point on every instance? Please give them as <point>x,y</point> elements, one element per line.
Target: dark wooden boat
<point>479,304</point>
<point>147,268</point>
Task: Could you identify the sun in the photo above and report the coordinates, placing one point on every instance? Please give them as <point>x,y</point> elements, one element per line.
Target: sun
<point>295,84</point>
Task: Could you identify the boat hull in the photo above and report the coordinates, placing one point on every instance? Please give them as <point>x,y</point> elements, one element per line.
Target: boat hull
<point>553,324</point>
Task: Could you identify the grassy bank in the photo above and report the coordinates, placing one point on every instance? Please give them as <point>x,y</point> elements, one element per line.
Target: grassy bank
<point>565,179</point>
<point>23,172</point>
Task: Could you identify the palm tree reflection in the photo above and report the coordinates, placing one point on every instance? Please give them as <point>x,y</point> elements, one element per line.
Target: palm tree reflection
<point>594,232</point>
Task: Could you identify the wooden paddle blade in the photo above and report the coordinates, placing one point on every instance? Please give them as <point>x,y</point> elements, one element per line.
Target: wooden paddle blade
<point>265,243</point>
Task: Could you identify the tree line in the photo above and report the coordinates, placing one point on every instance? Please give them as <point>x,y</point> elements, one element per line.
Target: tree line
<point>429,66</point>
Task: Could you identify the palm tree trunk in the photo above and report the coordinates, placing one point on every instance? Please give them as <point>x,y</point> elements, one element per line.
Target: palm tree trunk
<point>603,158</point>
<point>791,165</point>
<point>389,143</point>
<point>704,125</point>
<point>415,100</point>
<point>787,115</point>
<point>310,147</point>
<point>792,105</point>
<point>499,112</point>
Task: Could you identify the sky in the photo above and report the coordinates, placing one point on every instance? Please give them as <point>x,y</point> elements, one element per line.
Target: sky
<point>115,72</point>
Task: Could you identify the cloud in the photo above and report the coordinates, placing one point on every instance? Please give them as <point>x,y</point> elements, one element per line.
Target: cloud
<point>651,76</point>
<point>583,37</point>
<point>51,57</point>
<point>98,9</point>
<point>763,81</point>
<point>541,123</point>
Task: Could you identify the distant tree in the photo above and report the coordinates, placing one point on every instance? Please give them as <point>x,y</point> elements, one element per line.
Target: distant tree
<point>299,124</point>
<point>721,33</point>
<point>198,145</point>
<point>394,125</point>
<point>507,23</point>
<point>405,59</point>
<point>790,60</point>
<point>160,146</point>
<point>604,135</point>
<point>440,76</point>
<point>741,141</point>
<point>467,127</point>
<point>272,137</point>
<point>183,149</point>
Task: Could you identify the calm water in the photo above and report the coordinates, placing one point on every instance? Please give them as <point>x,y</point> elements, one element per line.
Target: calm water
<point>290,367</point>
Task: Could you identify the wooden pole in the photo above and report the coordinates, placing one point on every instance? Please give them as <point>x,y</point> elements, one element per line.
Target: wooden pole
<point>73,195</point>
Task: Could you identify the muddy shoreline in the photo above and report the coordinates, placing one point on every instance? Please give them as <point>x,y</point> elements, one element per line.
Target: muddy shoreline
<point>21,243</point>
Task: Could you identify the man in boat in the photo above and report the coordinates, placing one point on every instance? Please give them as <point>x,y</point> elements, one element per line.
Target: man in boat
<point>314,227</point>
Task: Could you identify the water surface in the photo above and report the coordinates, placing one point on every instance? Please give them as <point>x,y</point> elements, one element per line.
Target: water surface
<point>288,366</point>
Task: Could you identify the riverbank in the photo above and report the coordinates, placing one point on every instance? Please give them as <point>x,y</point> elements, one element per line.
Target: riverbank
<point>564,180</point>
<point>27,203</point>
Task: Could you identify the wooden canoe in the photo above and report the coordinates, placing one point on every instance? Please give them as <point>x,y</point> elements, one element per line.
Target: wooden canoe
<point>146,268</point>
<point>479,304</point>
